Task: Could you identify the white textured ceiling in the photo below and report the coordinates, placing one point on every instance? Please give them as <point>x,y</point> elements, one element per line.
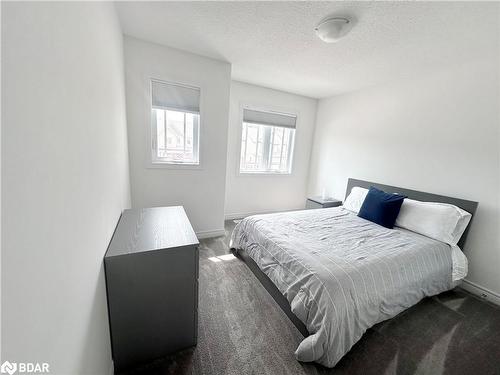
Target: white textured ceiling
<point>273,44</point>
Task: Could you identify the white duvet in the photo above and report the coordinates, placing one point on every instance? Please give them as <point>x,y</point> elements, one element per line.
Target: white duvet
<point>342,274</point>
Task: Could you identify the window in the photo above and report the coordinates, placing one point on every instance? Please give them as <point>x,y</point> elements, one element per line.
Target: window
<point>267,141</point>
<point>175,115</point>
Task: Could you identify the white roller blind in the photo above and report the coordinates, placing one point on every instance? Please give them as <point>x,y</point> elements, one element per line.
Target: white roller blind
<point>174,96</point>
<point>269,118</point>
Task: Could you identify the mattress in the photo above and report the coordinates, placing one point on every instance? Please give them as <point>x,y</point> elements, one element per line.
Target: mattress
<point>342,274</point>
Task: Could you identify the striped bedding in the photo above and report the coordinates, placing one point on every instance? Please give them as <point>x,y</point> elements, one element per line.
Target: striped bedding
<point>342,274</point>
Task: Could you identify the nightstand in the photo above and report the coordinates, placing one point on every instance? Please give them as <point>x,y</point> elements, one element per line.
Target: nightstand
<point>318,202</point>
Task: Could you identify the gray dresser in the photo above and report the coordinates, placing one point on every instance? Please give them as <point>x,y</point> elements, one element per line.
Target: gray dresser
<point>151,268</point>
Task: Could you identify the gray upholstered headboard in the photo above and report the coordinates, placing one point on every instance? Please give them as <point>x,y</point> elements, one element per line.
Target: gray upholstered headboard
<point>466,205</point>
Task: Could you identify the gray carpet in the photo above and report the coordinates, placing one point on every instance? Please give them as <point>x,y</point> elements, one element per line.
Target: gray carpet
<point>243,331</point>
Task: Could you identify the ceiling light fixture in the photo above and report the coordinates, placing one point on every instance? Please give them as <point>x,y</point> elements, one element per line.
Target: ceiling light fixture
<point>334,28</point>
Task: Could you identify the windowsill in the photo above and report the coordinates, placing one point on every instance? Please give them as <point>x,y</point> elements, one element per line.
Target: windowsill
<point>264,174</point>
<point>160,165</point>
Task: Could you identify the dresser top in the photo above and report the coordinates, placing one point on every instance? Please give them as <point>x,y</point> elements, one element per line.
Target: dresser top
<point>149,229</point>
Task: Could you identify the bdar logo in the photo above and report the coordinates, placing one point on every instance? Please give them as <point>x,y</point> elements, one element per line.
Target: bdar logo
<point>8,368</point>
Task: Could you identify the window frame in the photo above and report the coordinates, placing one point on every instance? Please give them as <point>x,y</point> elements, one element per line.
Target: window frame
<point>261,108</point>
<point>152,161</point>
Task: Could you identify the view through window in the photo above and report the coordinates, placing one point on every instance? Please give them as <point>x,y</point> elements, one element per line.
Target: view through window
<point>177,136</point>
<point>266,147</point>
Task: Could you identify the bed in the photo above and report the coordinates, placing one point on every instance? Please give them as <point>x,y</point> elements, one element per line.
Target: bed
<point>335,275</point>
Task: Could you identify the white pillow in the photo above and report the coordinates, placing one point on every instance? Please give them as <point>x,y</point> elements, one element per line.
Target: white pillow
<point>440,221</point>
<point>355,199</point>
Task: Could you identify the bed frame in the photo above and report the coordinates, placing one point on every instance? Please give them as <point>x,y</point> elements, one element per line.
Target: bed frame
<point>281,300</point>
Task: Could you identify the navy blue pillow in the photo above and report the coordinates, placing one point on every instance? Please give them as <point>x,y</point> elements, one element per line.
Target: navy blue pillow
<point>381,207</point>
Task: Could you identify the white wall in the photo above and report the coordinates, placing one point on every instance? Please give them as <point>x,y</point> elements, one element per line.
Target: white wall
<point>437,133</point>
<point>249,194</point>
<point>200,191</point>
<point>1,102</point>
<point>64,180</point>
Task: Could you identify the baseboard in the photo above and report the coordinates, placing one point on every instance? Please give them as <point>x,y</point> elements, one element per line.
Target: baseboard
<point>245,214</point>
<point>210,233</point>
<point>481,291</point>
